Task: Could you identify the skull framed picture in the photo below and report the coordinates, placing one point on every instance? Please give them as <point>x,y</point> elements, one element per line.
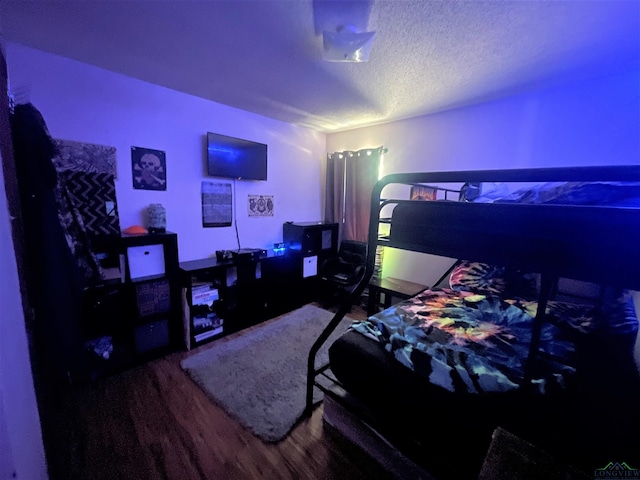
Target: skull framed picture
<point>149,169</point>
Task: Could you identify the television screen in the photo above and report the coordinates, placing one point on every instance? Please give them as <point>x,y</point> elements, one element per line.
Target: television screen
<point>231,157</point>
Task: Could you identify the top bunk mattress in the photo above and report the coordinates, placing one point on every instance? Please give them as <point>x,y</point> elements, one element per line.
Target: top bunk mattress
<point>582,230</point>
<point>612,194</point>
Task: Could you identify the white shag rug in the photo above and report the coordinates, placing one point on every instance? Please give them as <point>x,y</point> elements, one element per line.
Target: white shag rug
<point>259,376</point>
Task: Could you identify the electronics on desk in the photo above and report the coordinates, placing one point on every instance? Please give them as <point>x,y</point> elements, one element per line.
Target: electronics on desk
<point>247,254</point>
<point>279,249</point>
<point>223,255</point>
<point>241,254</point>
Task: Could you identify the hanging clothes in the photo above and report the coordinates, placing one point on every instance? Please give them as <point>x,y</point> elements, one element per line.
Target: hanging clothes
<point>54,280</point>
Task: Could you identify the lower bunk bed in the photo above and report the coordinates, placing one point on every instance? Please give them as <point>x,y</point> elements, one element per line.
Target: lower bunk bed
<point>498,347</point>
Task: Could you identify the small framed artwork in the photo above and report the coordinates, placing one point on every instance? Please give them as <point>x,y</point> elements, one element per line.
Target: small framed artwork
<point>420,192</point>
<point>260,205</point>
<point>149,168</point>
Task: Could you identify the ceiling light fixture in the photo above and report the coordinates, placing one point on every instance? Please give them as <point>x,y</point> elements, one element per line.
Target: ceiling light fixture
<point>346,44</point>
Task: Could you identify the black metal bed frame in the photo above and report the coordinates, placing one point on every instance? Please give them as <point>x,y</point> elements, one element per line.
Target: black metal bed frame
<point>600,244</point>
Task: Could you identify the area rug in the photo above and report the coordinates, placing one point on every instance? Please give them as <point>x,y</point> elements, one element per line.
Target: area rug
<point>259,376</point>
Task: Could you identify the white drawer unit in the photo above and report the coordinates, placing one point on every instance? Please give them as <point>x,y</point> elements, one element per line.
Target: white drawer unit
<point>145,262</point>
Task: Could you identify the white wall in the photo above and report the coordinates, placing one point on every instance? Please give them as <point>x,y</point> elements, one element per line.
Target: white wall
<point>589,123</point>
<point>83,103</point>
<point>21,449</point>
<point>87,104</point>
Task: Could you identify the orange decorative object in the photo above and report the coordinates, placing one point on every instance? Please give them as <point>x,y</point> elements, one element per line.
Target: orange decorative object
<point>135,230</point>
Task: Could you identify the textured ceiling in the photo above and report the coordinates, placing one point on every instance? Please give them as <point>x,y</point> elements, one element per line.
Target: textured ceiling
<point>265,56</point>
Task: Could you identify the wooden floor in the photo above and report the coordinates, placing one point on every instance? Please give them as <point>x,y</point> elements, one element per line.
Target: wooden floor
<point>152,422</point>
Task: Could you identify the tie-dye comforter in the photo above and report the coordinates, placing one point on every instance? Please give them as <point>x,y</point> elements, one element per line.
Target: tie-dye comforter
<point>477,343</point>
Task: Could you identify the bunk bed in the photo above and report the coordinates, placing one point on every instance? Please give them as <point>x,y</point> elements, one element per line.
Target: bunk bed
<point>498,346</point>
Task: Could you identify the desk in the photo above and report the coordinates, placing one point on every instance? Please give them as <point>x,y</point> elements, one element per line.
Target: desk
<point>391,287</point>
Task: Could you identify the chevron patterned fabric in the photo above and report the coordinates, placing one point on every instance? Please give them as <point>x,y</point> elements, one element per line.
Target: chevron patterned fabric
<point>95,197</point>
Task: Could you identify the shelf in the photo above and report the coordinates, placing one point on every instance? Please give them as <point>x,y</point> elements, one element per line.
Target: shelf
<point>249,292</point>
<point>141,317</point>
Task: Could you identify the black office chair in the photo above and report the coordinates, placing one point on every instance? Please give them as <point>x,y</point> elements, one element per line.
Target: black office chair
<point>341,274</point>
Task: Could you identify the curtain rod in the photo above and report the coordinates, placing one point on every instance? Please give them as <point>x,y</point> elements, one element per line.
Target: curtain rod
<point>347,152</point>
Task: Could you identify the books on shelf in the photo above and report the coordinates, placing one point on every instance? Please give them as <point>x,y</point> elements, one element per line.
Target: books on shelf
<point>204,335</point>
<point>204,296</point>
<point>207,326</point>
<point>199,286</point>
<point>207,322</point>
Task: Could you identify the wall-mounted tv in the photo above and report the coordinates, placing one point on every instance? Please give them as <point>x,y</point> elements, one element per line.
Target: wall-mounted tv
<point>231,157</point>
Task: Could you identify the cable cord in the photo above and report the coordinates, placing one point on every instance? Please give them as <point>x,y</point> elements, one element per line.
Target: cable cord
<point>235,219</point>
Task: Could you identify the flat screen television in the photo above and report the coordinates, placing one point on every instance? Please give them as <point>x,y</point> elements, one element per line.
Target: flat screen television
<point>230,157</point>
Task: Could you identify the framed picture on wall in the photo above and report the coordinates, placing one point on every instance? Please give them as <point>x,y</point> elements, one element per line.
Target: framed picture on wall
<point>260,205</point>
<point>149,168</point>
<point>421,192</point>
<point>217,204</point>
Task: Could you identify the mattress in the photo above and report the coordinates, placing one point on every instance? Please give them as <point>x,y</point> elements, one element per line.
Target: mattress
<point>466,342</point>
<point>620,194</point>
<point>427,370</point>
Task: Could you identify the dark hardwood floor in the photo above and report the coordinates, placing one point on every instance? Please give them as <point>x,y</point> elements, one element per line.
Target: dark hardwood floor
<point>152,422</point>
